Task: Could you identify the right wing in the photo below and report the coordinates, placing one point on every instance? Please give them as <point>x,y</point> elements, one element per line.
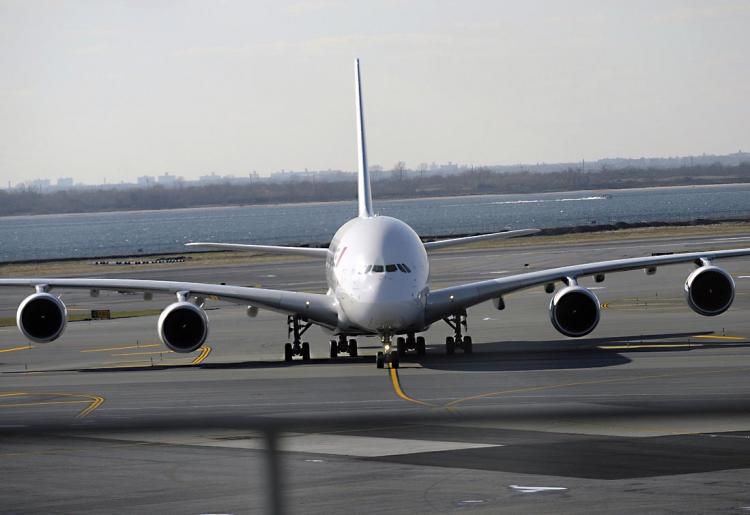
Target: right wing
<point>446,301</point>
<point>312,306</point>
<point>264,249</point>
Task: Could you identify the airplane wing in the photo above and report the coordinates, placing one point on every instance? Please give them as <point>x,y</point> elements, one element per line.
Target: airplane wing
<point>441,244</point>
<point>264,249</point>
<point>447,301</point>
<point>312,306</point>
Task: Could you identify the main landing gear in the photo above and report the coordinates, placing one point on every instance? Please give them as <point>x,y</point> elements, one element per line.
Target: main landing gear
<point>342,345</point>
<point>296,325</point>
<point>457,323</point>
<point>404,345</point>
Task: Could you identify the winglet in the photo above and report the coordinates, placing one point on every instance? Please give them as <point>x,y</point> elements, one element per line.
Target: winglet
<point>363,175</point>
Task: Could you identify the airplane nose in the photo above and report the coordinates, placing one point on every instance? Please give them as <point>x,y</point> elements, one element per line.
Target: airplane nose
<point>386,315</point>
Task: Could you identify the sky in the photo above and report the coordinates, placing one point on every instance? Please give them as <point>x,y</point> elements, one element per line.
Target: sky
<point>119,89</point>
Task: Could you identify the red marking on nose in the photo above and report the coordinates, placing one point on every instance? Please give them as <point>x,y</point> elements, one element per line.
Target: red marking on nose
<point>343,251</point>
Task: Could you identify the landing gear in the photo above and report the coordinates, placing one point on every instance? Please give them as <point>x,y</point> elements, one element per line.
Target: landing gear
<point>421,348</point>
<point>296,327</point>
<point>342,345</point>
<point>410,342</point>
<point>458,324</point>
<point>388,355</point>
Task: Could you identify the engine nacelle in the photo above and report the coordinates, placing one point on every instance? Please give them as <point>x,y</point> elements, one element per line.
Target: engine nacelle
<point>41,317</point>
<point>709,290</point>
<point>574,311</point>
<point>183,327</point>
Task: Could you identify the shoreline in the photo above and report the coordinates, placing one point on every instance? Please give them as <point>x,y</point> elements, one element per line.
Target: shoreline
<point>155,261</point>
<point>392,199</point>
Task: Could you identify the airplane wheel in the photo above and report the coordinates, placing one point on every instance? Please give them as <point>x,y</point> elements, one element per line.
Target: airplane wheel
<point>401,346</point>
<point>420,346</point>
<point>288,352</point>
<point>353,348</point>
<point>394,359</point>
<point>305,351</point>
<point>467,345</point>
<point>380,360</point>
<point>334,349</point>
<point>450,345</point>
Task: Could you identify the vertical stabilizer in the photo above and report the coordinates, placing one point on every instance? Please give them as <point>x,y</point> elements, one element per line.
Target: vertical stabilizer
<point>363,175</point>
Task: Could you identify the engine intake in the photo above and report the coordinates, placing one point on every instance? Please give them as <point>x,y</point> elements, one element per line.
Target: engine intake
<point>709,290</point>
<point>574,311</point>
<point>41,317</point>
<point>183,327</point>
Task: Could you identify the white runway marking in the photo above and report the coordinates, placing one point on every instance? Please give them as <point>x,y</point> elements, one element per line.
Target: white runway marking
<point>340,445</point>
<point>537,489</point>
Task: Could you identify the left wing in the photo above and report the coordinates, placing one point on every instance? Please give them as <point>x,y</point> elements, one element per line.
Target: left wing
<point>313,306</point>
<point>264,249</point>
<point>446,301</point>
<point>441,244</point>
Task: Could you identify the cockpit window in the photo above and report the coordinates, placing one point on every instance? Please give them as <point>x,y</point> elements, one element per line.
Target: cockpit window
<point>379,269</point>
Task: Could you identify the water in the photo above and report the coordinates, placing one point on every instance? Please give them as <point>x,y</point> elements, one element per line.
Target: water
<point>150,232</point>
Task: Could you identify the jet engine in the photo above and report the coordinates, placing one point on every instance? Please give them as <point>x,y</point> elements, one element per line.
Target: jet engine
<point>41,317</point>
<point>574,311</point>
<point>183,326</point>
<point>709,290</point>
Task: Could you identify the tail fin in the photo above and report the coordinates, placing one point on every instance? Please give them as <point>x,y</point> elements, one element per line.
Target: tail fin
<point>363,175</point>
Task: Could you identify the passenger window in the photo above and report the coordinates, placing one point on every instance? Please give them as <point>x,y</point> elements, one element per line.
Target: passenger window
<point>408,270</point>
<point>377,269</point>
<point>390,268</point>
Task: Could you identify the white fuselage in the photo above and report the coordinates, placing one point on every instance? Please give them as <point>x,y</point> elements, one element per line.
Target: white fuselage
<point>377,271</point>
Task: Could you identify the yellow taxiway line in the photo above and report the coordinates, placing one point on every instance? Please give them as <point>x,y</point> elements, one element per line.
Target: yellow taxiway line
<point>93,401</point>
<point>165,351</point>
<point>122,348</point>
<point>14,349</point>
<point>205,351</point>
<point>400,392</point>
<point>717,337</point>
<point>581,383</point>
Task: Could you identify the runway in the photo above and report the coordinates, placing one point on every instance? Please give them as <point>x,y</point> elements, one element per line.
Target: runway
<point>647,414</point>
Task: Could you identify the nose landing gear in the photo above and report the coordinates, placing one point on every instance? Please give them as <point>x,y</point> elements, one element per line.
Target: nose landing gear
<point>457,323</point>
<point>296,326</point>
<point>388,355</point>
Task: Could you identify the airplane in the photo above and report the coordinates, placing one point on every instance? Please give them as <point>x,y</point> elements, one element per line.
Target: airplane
<point>377,271</point>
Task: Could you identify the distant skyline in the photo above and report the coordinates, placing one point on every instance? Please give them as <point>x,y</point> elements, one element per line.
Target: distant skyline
<point>122,89</point>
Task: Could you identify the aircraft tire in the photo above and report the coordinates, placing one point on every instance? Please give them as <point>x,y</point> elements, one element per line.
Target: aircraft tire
<point>420,346</point>
<point>401,346</point>
<point>380,360</point>
<point>394,359</point>
<point>353,348</point>
<point>287,352</point>
<point>468,349</point>
<point>334,349</point>
<point>450,345</point>
<point>305,351</point>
